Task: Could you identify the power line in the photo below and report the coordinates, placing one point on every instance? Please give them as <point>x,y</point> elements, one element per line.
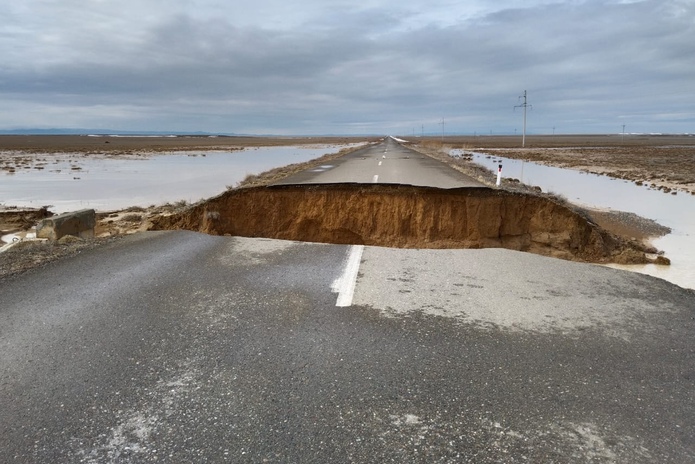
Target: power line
<point>524,105</point>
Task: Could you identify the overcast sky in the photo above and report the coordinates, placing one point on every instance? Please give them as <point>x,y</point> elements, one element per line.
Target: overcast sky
<point>346,67</point>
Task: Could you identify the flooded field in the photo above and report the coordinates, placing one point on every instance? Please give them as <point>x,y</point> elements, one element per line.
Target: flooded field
<point>676,211</point>
<point>70,181</point>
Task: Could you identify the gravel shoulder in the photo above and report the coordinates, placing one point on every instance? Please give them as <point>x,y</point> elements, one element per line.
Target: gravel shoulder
<point>28,255</point>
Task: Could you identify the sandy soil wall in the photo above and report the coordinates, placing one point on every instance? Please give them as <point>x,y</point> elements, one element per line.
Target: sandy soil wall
<point>14,220</point>
<point>405,217</point>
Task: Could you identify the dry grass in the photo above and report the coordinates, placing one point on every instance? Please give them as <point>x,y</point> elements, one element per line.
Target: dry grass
<point>132,218</point>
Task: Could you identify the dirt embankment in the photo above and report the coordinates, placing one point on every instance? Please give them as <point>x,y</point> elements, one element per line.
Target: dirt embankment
<point>406,217</point>
<point>15,220</point>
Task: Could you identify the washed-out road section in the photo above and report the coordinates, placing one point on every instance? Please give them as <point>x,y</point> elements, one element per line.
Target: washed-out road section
<point>181,347</point>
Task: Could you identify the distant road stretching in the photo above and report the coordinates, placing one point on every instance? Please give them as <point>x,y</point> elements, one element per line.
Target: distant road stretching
<point>386,163</point>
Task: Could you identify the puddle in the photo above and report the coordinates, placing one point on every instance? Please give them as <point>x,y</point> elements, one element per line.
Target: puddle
<point>674,211</point>
<point>69,182</point>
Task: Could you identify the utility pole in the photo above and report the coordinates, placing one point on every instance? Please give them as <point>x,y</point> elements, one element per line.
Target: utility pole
<point>524,105</point>
<point>442,123</point>
<point>622,139</point>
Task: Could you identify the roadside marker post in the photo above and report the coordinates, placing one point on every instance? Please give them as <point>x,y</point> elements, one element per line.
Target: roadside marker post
<point>499,175</point>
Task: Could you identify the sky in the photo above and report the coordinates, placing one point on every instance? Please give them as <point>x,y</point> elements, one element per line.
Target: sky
<point>392,67</point>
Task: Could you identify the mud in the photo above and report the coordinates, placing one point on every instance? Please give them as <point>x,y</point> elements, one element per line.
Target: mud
<point>407,217</point>
<point>17,220</point>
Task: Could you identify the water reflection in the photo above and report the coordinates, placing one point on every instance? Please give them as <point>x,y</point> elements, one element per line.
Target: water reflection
<point>71,181</point>
<point>674,211</point>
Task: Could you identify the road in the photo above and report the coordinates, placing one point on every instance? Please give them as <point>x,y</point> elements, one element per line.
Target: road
<point>386,163</point>
<point>181,347</point>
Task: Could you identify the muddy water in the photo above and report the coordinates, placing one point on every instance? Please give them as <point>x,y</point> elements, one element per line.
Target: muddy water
<point>674,211</point>
<point>70,182</point>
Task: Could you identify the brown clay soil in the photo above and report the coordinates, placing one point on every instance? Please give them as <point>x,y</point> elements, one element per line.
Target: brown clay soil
<point>523,218</point>
<point>14,220</point>
<point>407,217</point>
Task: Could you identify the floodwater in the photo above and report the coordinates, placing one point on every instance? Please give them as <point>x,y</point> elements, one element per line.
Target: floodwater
<point>68,182</point>
<point>591,190</point>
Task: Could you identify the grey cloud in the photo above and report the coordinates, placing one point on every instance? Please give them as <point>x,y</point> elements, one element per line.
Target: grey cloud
<point>586,66</point>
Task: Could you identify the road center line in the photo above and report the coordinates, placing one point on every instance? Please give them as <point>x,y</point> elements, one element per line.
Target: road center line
<point>375,178</point>
<point>380,163</point>
<point>345,284</point>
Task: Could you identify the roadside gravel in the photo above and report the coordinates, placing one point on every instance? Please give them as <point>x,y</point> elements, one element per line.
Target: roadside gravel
<point>28,255</point>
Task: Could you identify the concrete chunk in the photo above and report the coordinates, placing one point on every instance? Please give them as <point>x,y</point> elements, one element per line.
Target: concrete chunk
<point>78,223</point>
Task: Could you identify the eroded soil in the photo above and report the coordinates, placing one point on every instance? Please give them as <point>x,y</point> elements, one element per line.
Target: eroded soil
<point>407,217</point>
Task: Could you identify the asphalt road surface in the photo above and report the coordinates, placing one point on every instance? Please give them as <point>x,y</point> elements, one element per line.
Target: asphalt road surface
<point>180,347</point>
<point>386,163</point>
